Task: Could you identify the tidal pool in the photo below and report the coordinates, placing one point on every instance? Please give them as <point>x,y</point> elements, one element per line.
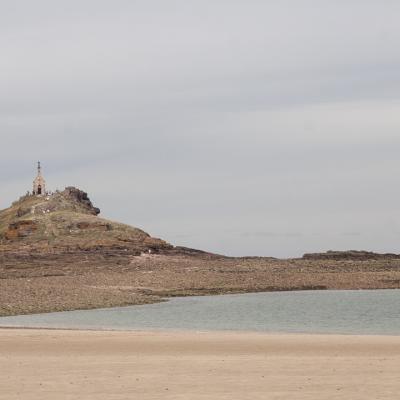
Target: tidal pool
<point>320,311</point>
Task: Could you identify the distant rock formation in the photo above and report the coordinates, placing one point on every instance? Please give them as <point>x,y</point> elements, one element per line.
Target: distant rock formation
<point>349,255</point>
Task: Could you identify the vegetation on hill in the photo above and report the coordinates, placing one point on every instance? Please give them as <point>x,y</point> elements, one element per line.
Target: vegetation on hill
<point>66,221</point>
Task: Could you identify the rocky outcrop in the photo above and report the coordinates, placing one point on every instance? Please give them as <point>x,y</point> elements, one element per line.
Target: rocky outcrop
<point>349,255</point>
<point>20,229</point>
<point>97,225</point>
<point>82,198</point>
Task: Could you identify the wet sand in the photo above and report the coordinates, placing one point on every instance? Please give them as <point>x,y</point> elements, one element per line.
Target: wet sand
<point>55,364</point>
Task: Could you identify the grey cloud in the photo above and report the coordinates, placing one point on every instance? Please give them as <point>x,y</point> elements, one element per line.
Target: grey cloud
<point>271,234</point>
<point>217,125</point>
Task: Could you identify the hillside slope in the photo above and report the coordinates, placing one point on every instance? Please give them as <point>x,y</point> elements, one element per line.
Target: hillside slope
<point>67,221</point>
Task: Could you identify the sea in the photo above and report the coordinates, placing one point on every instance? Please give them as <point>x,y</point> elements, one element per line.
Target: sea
<point>362,312</point>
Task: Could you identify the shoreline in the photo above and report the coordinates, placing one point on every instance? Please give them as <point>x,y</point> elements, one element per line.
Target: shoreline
<point>166,299</point>
<point>92,280</point>
<point>194,331</point>
<point>48,364</point>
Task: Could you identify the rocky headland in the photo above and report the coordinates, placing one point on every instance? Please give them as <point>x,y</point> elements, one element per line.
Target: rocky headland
<point>57,254</point>
<point>67,221</point>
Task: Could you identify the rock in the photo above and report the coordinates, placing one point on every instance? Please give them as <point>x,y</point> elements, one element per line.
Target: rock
<point>98,225</point>
<point>349,255</point>
<point>82,198</point>
<point>23,211</point>
<point>20,229</point>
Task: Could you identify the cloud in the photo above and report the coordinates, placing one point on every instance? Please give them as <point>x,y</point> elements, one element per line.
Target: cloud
<point>223,124</point>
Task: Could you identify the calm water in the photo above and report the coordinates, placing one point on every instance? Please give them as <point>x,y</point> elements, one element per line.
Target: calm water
<point>360,312</point>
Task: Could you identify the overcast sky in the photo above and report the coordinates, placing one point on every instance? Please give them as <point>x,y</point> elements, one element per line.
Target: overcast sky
<point>240,127</point>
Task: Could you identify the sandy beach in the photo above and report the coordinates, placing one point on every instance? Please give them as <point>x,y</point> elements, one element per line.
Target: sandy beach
<point>56,364</point>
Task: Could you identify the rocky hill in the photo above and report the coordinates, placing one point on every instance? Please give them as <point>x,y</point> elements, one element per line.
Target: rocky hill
<point>57,254</point>
<point>68,221</point>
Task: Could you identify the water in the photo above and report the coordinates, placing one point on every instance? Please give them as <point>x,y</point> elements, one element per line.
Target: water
<point>347,312</point>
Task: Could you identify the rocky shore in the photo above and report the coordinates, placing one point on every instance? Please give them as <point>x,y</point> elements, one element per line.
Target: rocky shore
<point>82,280</point>
<point>56,254</point>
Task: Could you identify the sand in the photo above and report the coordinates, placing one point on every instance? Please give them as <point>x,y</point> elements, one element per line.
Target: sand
<point>55,364</point>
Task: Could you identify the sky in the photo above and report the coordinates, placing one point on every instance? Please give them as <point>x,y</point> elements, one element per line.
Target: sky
<point>267,128</point>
